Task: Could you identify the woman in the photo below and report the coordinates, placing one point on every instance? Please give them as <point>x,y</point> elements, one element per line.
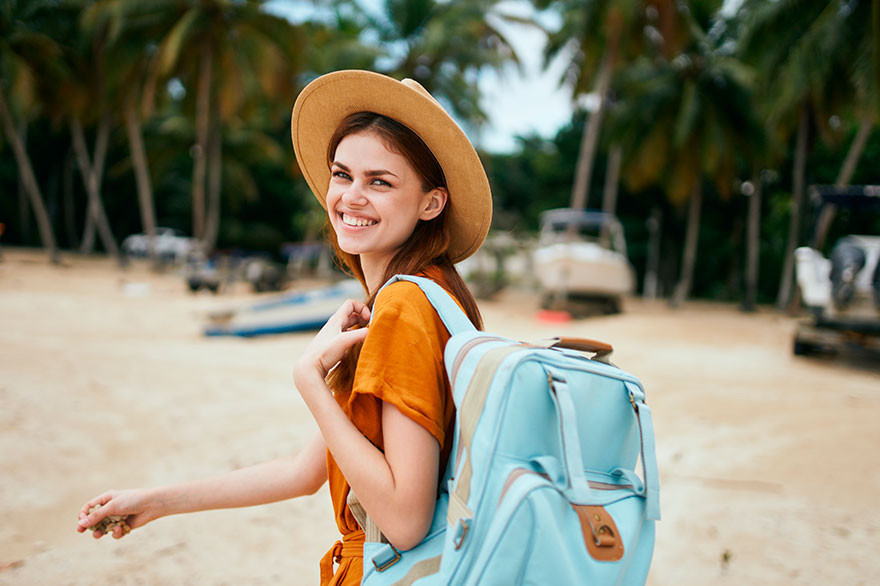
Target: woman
<point>405,192</point>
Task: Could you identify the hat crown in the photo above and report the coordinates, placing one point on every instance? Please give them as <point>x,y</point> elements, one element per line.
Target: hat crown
<point>414,85</point>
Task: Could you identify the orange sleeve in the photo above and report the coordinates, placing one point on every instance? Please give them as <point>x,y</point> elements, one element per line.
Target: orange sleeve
<point>401,363</point>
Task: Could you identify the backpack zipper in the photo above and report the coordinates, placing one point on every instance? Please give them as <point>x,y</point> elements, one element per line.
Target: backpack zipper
<point>595,485</point>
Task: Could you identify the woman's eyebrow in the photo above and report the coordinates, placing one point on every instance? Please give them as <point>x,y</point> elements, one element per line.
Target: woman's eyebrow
<point>370,173</point>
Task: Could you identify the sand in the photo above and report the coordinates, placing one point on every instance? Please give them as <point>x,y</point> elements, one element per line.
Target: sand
<point>769,463</point>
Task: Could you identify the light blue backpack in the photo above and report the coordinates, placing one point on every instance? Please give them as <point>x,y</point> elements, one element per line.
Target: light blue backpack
<point>540,486</point>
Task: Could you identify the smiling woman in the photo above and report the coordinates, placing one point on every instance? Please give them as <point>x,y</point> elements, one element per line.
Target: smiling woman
<point>405,193</point>
<point>393,207</point>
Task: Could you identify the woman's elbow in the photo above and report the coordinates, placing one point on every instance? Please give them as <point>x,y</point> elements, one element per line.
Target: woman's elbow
<point>407,538</point>
<point>409,530</point>
<point>315,482</point>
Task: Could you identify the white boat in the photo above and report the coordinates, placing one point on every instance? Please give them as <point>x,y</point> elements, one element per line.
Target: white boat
<point>581,255</point>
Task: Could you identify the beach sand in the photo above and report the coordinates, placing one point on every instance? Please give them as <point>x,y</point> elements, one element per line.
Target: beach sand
<point>769,463</point>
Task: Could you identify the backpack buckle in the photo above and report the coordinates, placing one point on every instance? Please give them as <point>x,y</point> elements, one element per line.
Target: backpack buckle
<point>384,565</point>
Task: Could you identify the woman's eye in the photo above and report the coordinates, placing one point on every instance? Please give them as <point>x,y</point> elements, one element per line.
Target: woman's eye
<point>341,175</point>
<point>381,183</point>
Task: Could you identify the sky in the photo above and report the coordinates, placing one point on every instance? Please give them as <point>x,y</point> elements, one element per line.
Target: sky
<point>526,100</point>
<point>520,101</point>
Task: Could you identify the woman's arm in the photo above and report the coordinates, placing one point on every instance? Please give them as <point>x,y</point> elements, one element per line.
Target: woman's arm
<point>268,482</point>
<point>398,487</point>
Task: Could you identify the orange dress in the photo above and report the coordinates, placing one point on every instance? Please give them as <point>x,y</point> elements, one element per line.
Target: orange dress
<point>401,363</point>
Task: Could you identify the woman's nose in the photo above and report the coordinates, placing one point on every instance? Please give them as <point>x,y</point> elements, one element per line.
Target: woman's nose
<point>354,194</point>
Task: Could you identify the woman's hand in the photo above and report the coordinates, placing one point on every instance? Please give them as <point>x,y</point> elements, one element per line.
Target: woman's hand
<point>135,506</point>
<point>344,329</point>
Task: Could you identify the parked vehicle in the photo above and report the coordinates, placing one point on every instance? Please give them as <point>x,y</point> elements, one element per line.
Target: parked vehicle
<point>171,245</point>
<point>581,260</point>
<point>841,292</point>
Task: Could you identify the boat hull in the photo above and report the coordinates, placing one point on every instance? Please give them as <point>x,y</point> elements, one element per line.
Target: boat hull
<point>583,269</point>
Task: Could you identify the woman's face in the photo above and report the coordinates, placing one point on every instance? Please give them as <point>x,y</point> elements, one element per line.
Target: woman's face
<point>375,200</point>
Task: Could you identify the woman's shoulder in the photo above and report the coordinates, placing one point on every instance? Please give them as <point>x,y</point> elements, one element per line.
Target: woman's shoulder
<point>402,297</point>
<point>406,297</point>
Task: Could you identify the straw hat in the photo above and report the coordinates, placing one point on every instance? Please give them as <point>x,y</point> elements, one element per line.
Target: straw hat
<point>326,101</point>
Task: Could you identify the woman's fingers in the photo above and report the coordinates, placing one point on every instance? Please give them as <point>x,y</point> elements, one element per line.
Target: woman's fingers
<point>338,345</point>
<point>346,327</point>
<point>89,518</point>
<point>351,313</point>
<point>351,337</point>
<point>98,500</point>
<point>364,312</point>
<point>115,513</point>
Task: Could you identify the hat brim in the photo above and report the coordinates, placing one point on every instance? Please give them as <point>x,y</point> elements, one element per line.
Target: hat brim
<point>326,101</point>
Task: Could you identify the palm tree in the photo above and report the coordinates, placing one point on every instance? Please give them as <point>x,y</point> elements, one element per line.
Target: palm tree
<point>337,42</point>
<point>443,46</point>
<point>685,119</point>
<point>86,102</point>
<point>227,52</point>
<point>811,57</point>
<point>28,60</point>
<point>127,34</point>
<point>601,37</point>
<point>865,76</point>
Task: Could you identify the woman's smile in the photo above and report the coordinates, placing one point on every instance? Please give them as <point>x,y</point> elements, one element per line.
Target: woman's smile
<point>375,199</point>
<point>349,220</point>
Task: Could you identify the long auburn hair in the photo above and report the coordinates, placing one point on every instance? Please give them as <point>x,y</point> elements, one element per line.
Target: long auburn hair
<point>428,244</point>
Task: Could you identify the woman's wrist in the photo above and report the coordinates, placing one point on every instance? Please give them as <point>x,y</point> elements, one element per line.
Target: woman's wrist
<point>164,501</point>
<point>307,373</point>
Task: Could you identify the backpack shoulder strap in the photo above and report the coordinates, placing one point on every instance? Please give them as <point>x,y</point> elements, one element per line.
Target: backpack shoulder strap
<point>455,320</point>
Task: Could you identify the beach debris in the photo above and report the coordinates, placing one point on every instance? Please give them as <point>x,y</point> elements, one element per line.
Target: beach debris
<point>135,289</point>
<point>11,565</point>
<point>109,523</point>
<point>554,316</point>
<point>725,560</point>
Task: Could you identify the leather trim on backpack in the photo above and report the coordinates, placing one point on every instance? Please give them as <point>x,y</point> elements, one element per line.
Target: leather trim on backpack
<point>600,533</point>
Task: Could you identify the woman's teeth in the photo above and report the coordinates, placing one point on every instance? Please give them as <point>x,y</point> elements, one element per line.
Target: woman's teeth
<point>349,220</point>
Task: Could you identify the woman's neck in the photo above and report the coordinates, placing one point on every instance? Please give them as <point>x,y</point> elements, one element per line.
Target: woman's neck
<point>374,271</point>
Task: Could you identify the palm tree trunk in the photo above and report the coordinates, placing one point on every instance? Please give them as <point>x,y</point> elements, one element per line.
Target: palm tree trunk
<point>92,172</point>
<point>69,208</point>
<point>652,264</point>
<point>689,255</point>
<point>95,168</point>
<point>826,216</point>
<point>203,119</point>
<point>753,245</point>
<point>87,242</point>
<point>794,222</point>
<point>215,176</point>
<point>609,192</point>
<point>612,179</point>
<point>141,173</point>
<point>590,138</point>
<point>29,180</point>
<point>24,208</point>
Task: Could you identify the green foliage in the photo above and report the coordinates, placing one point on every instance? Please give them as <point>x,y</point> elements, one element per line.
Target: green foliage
<point>443,46</point>
<point>694,99</point>
<point>686,118</point>
<point>814,50</point>
<point>535,178</point>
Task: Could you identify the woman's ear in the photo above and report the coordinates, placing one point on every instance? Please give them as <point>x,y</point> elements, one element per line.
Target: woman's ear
<point>435,201</point>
